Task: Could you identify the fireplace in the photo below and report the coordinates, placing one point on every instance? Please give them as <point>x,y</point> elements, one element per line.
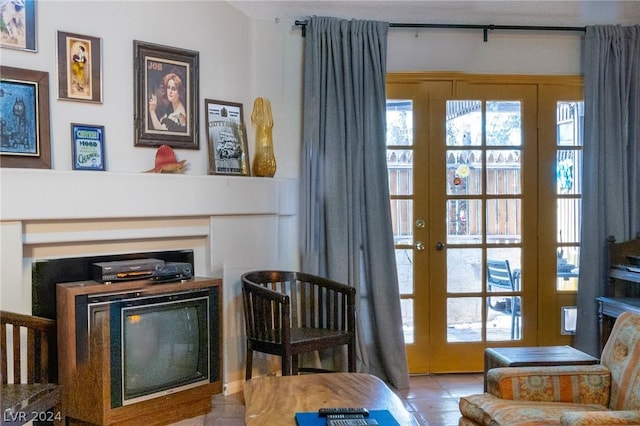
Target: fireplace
<point>47,273</point>
<point>231,224</point>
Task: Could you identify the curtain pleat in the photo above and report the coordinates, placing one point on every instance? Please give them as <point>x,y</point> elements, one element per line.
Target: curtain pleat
<point>611,187</point>
<point>346,220</point>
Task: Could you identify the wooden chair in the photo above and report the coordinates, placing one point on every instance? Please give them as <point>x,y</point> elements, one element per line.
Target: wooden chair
<point>500,277</point>
<point>35,395</point>
<point>288,313</point>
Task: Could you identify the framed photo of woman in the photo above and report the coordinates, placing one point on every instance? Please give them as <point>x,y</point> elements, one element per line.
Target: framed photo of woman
<point>79,68</point>
<point>166,95</point>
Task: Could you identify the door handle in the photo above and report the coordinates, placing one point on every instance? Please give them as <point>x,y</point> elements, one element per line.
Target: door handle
<point>439,245</point>
<point>419,245</point>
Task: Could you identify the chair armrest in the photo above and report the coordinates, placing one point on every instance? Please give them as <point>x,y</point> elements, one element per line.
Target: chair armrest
<point>581,418</point>
<point>582,384</point>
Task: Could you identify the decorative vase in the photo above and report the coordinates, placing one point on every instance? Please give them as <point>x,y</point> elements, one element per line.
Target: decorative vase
<point>264,161</point>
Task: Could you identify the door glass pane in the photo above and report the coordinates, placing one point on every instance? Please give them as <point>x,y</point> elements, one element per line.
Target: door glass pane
<point>406,307</point>
<point>569,137</point>
<point>569,220</point>
<point>505,325</point>
<point>504,123</point>
<point>464,172</point>
<point>504,221</point>
<point>464,221</point>
<point>400,169</point>
<point>504,277</point>
<point>464,270</point>
<point>513,255</point>
<point>404,262</point>
<point>570,121</point>
<point>399,122</point>
<point>402,221</point>
<point>568,265</point>
<point>464,319</point>
<point>569,172</point>
<point>504,172</point>
<point>464,123</point>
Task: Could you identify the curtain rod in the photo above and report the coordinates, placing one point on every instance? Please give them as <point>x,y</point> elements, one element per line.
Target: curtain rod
<point>484,28</point>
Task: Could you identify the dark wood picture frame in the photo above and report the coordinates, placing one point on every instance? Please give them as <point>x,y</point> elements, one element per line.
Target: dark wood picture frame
<point>19,30</point>
<point>24,130</point>
<point>79,67</point>
<point>227,138</point>
<point>87,147</point>
<point>160,118</point>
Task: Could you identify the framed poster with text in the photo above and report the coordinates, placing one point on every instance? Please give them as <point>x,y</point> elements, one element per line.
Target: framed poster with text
<point>88,147</point>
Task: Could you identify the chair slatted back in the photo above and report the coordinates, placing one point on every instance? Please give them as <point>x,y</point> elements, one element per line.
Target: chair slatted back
<point>39,332</point>
<point>295,299</point>
<point>499,274</point>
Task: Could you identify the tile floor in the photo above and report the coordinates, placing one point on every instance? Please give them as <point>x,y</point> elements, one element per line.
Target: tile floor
<point>432,399</point>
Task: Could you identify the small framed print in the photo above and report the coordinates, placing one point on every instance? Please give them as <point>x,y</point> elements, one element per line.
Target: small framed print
<point>24,119</point>
<point>88,147</point>
<point>165,96</point>
<point>227,139</point>
<point>18,27</point>
<point>79,68</point>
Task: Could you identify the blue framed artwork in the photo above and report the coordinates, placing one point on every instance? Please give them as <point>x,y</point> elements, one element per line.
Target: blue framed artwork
<point>18,24</point>
<point>24,118</point>
<point>88,147</point>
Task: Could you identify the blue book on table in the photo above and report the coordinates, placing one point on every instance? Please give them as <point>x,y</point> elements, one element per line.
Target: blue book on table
<point>383,417</point>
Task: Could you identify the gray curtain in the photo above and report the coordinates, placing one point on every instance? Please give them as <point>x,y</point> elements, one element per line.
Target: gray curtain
<point>611,190</point>
<point>346,220</point>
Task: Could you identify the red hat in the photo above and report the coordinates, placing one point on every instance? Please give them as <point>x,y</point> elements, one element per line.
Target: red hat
<point>166,159</point>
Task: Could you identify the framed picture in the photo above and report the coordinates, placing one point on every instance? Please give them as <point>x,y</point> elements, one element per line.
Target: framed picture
<point>79,67</point>
<point>18,28</point>
<point>165,96</point>
<point>88,147</point>
<point>227,139</point>
<point>24,119</point>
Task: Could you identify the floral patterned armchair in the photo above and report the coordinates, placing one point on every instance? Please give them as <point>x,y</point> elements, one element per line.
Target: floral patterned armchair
<point>604,394</point>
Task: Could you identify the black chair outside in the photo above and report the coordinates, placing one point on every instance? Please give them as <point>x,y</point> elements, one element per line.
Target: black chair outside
<point>500,277</point>
<point>289,313</point>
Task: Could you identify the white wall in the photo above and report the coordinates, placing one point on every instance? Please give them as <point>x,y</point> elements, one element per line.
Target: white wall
<point>237,64</point>
<point>505,52</point>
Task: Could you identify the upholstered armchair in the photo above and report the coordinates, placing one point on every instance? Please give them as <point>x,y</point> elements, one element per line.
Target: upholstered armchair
<point>603,394</point>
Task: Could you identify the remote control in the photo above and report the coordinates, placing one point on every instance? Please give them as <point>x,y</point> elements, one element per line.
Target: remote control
<point>324,412</point>
<point>352,422</point>
<point>344,416</point>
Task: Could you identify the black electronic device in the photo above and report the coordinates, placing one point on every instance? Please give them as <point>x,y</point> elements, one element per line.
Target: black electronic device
<point>125,270</point>
<point>325,411</point>
<point>173,271</point>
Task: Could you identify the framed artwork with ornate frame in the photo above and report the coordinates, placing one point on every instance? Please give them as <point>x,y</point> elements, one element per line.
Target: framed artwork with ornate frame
<point>165,96</point>
<point>18,29</point>
<point>227,138</point>
<point>24,124</point>
<point>79,67</point>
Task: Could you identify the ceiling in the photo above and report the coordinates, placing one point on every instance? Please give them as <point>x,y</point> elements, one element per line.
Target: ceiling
<point>513,12</point>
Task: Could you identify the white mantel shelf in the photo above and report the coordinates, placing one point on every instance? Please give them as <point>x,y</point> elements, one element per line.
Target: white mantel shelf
<point>32,195</point>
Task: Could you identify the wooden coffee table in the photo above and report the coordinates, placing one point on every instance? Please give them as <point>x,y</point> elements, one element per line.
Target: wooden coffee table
<point>534,356</point>
<point>274,401</point>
